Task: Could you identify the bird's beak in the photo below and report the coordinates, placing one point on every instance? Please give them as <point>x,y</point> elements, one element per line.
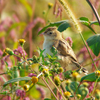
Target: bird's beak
<point>43,33</point>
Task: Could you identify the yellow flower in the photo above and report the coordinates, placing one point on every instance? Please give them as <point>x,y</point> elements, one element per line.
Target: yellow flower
<point>9,51</point>
<point>67,94</point>
<point>68,81</point>
<point>34,79</point>
<point>50,5</point>
<point>21,41</point>
<point>97,73</point>
<point>75,75</point>
<point>26,87</point>
<point>97,94</point>
<point>97,91</point>
<point>57,80</point>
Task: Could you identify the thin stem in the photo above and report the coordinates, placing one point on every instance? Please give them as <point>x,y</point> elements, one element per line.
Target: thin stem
<point>91,63</point>
<point>94,10</point>
<point>18,56</point>
<point>88,50</point>
<point>57,88</point>
<point>2,73</point>
<point>49,88</point>
<point>94,86</point>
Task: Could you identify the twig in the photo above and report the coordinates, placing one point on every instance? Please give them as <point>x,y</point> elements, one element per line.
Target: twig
<point>49,88</point>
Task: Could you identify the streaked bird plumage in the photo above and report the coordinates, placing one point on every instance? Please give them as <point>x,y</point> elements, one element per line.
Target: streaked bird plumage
<point>52,37</point>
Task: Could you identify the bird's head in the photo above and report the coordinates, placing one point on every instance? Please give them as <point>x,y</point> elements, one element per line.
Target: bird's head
<point>52,33</point>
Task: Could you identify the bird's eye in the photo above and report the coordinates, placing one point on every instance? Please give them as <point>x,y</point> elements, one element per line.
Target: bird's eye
<point>50,32</point>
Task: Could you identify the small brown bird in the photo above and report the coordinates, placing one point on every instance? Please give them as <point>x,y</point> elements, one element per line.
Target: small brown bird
<point>52,37</point>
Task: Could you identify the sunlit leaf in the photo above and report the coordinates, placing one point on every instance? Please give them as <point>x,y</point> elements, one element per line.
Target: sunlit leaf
<point>63,26</point>
<point>52,25</point>
<point>94,22</point>
<point>94,43</point>
<point>90,77</point>
<point>84,19</point>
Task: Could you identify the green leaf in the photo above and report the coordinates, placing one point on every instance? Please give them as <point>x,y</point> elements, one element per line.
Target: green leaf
<point>94,22</point>
<point>67,74</point>
<point>84,19</point>
<point>4,93</point>
<point>74,86</point>
<point>41,84</point>
<point>17,79</point>
<point>47,99</point>
<point>52,25</point>
<point>27,6</point>
<point>94,43</point>
<point>63,26</point>
<point>90,77</point>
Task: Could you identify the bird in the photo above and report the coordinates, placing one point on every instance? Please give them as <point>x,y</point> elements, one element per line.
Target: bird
<point>53,38</point>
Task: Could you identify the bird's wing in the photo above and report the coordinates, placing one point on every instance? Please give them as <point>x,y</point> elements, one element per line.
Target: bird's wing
<point>64,49</point>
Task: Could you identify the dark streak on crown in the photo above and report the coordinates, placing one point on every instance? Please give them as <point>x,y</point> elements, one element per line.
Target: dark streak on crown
<point>50,29</point>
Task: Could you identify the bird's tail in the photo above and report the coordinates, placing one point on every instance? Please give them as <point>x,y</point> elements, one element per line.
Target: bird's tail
<point>80,67</point>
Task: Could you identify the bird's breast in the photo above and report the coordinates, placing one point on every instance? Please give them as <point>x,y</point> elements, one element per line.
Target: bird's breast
<point>47,46</point>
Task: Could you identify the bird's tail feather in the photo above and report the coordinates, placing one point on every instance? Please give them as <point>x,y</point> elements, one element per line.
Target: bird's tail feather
<point>80,67</point>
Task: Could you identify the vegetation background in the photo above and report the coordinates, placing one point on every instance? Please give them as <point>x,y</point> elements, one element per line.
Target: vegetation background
<point>25,18</point>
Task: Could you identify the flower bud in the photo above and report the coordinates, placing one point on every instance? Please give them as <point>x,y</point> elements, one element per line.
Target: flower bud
<point>75,75</point>
<point>44,12</point>
<point>57,80</point>
<point>34,79</point>
<point>26,87</point>
<point>56,65</point>
<point>85,84</point>
<point>21,41</point>
<point>60,70</point>
<point>35,59</point>
<point>9,51</point>
<point>67,94</point>
<point>83,91</point>
<point>68,82</point>
<point>4,53</point>
<point>50,5</point>
<point>78,96</point>
<point>45,72</point>
<point>97,94</point>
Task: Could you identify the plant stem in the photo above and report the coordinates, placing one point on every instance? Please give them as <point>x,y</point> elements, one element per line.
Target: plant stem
<point>18,56</point>
<point>49,88</point>
<point>94,10</point>
<point>91,63</point>
<point>57,88</point>
<point>94,86</point>
<point>88,49</point>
